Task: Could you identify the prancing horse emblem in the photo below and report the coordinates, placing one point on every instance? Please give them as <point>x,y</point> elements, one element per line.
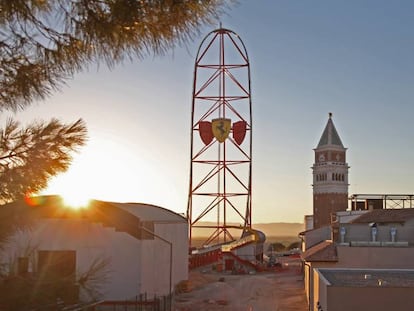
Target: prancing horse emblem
<point>221,128</point>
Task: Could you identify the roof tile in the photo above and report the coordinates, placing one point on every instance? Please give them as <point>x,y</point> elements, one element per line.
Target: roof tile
<point>400,215</point>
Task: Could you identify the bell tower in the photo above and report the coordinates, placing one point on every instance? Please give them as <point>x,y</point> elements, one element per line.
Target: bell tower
<point>330,176</point>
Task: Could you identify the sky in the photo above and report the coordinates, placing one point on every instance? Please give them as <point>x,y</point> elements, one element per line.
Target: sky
<point>353,58</point>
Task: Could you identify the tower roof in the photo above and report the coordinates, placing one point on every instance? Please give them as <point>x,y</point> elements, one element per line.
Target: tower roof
<point>330,135</point>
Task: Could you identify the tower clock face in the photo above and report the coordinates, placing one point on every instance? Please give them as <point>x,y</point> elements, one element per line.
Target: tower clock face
<point>321,158</point>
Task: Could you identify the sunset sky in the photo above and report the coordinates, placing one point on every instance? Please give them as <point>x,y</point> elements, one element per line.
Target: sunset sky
<point>354,58</point>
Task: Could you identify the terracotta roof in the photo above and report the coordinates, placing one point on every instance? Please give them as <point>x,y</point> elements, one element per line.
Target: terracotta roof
<point>400,215</point>
<point>324,251</point>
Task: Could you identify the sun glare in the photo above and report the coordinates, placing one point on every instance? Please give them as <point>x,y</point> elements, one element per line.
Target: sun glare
<point>112,171</point>
<point>75,201</point>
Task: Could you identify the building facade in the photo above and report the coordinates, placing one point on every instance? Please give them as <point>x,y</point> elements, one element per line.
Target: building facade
<point>109,251</point>
<point>377,239</point>
<point>370,289</point>
<point>330,176</point>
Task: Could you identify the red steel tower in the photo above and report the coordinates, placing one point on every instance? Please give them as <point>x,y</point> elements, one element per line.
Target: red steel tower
<point>219,199</point>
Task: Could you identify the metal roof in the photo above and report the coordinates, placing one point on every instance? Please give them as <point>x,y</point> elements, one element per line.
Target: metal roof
<point>148,212</point>
<point>125,217</point>
<point>369,277</point>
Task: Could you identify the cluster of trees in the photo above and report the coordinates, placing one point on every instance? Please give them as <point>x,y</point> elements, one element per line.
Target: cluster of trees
<point>280,247</point>
<point>43,43</point>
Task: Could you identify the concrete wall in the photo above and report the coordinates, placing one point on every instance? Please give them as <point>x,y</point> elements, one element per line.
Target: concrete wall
<point>310,275</point>
<point>348,216</point>
<point>316,236</point>
<point>363,258</point>
<point>369,298</point>
<point>320,294</point>
<point>363,232</point>
<point>155,259</point>
<point>92,242</point>
<point>375,257</point>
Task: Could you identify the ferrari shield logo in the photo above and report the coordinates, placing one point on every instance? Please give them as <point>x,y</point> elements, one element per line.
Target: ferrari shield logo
<point>221,128</point>
<point>206,132</point>
<point>239,131</point>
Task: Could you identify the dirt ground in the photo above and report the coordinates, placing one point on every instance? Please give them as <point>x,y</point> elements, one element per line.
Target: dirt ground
<point>262,291</point>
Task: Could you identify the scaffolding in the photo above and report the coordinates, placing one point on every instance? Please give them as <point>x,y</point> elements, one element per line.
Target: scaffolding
<point>381,201</point>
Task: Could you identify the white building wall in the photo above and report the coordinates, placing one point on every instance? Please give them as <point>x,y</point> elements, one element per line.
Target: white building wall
<point>155,257</point>
<point>316,236</point>
<point>91,242</point>
<point>135,266</point>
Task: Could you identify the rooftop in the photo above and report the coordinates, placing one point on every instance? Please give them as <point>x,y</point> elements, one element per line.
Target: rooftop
<point>400,215</point>
<point>125,217</point>
<point>324,251</point>
<point>368,277</point>
<point>149,212</point>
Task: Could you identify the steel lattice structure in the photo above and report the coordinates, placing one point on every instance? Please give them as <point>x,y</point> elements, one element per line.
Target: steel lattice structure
<point>221,139</point>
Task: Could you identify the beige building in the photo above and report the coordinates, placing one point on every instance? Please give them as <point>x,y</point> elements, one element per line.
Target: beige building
<point>377,239</point>
<point>364,289</point>
<point>365,235</point>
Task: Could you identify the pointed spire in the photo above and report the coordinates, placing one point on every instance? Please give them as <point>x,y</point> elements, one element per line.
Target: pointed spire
<point>330,135</point>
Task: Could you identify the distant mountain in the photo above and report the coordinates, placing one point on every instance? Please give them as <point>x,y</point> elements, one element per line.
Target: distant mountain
<point>281,229</point>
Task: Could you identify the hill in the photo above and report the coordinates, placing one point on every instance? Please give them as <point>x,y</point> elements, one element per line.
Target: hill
<point>280,229</point>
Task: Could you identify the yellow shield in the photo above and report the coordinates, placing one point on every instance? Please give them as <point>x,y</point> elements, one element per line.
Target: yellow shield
<point>221,128</point>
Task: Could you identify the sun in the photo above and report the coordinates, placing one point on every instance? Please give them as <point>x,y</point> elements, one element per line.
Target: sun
<point>76,200</point>
<point>75,194</point>
<point>112,171</point>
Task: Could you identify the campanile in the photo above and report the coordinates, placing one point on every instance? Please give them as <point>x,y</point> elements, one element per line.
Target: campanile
<point>330,176</point>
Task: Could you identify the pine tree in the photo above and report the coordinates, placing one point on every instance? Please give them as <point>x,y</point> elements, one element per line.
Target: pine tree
<point>43,43</point>
<point>30,156</point>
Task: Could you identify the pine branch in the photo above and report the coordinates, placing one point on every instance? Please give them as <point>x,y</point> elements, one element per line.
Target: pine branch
<point>31,155</point>
<point>43,43</point>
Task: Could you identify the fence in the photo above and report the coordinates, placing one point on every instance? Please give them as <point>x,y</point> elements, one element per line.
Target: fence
<point>138,303</point>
